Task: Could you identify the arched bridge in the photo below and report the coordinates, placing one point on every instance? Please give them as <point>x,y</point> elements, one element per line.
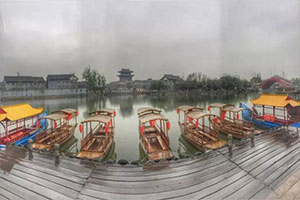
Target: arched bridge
<point>277,79</point>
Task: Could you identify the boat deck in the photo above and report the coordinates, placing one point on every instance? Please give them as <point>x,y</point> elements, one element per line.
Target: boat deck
<point>270,170</point>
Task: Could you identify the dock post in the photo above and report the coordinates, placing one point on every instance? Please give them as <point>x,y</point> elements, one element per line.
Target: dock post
<point>56,154</point>
<point>252,141</point>
<point>30,154</point>
<point>229,142</point>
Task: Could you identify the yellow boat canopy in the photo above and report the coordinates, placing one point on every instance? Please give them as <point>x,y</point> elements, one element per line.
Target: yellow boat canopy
<point>18,111</point>
<point>277,100</point>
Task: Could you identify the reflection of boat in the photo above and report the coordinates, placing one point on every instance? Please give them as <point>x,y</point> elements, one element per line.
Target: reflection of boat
<point>276,108</point>
<point>186,147</point>
<point>154,133</point>
<point>19,124</point>
<point>229,122</point>
<point>70,146</point>
<point>111,153</point>
<point>97,134</point>
<point>248,116</point>
<point>60,130</point>
<point>196,128</point>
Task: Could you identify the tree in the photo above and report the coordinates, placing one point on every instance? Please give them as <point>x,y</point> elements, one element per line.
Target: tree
<point>95,81</point>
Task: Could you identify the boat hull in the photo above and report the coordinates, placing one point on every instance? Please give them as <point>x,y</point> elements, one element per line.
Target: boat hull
<point>50,146</point>
<point>95,154</point>
<point>167,154</point>
<point>202,147</point>
<point>227,127</point>
<point>258,122</point>
<point>23,140</point>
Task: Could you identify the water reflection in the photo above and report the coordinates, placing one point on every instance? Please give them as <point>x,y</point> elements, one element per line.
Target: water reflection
<point>186,148</point>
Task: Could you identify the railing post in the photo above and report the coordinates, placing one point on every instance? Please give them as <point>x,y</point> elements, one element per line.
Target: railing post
<point>56,154</point>
<point>252,141</point>
<point>30,154</point>
<point>229,142</point>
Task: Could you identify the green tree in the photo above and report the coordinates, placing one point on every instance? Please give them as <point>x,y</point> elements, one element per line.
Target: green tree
<point>95,81</point>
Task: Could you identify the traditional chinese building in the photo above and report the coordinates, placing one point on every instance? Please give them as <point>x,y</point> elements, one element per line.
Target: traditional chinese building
<point>125,75</point>
<point>23,83</point>
<point>62,81</point>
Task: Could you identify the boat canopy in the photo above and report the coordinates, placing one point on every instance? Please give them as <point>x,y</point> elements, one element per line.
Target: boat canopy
<point>98,118</point>
<point>277,100</point>
<point>66,111</point>
<point>18,111</point>
<point>198,114</point>
<point>220,105</point>
<point>145,110</point>
<point>152,116</point>
<point>55,116</point>
<point>233,109</point>
<point>189,108</point>
<point>104,110</point>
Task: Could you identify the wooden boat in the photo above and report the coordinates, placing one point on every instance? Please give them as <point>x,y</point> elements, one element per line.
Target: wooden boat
<point>229,122</point>
<point>154,133</point>
<point>97,134</point>
<point>276,108</point>
<point>19,124</point>
<point>197,129</point>
<point>60,130</point>
<point>262,123</point>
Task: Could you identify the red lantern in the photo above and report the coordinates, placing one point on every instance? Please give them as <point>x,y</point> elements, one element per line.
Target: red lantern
<point>237,116</point>
<point>168,125</point>
<point>177,110</point>
<point>152,123</point>
<point>76,113</point>
<point>115,113</point>
<point>55,124</point>
<point>142,129</point>
<point>106,128</point>
<point>38,123</point>
<point>80,128</point>
<point>197,124</point>
<point>190,119</point>
<point>109,123</point>
<point>208,108</point>
<point>69,117</point>
<point>216,120</point>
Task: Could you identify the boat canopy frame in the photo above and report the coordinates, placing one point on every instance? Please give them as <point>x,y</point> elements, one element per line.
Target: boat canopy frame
<point>147,110</point>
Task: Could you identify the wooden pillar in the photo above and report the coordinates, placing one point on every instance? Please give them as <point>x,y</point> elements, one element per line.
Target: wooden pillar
<point>30,154</point>
<point>6,132</point>
<point>263,107</point>
<point>229,143</point>
<point>252,140</point>
<point>56,154</point>
<point>274,111</point>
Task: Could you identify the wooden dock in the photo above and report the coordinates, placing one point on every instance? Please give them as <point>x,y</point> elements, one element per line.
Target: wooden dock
<point>270,170</point>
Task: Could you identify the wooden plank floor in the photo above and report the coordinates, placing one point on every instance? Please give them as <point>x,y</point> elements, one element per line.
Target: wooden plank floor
<point>270,170</point>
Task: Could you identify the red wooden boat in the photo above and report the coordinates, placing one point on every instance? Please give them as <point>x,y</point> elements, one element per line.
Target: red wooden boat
<point>277,108</point>
<point>18,122</point>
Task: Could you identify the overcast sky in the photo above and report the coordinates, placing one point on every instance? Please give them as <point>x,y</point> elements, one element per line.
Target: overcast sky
<point>151,37</point>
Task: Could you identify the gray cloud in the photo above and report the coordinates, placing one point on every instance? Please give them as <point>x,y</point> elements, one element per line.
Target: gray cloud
<point>151,37</point>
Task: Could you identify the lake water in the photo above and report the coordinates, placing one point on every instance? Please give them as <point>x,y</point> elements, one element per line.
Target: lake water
<point>126,132</point>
